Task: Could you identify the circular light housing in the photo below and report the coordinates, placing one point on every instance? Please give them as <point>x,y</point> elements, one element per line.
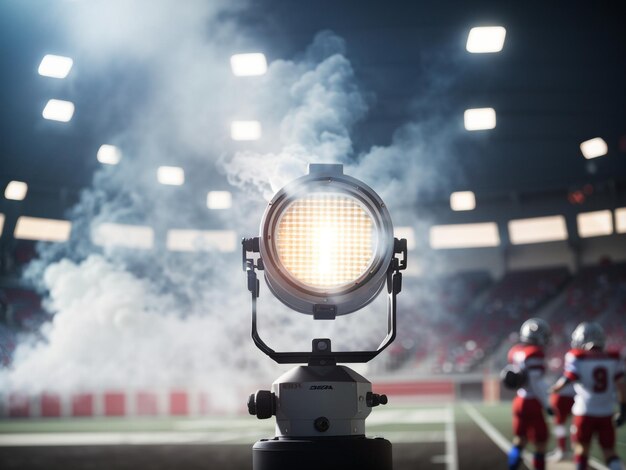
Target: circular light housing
<point>326,242</point>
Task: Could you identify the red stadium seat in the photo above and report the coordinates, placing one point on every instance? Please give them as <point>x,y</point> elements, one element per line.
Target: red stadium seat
<point>179,403</point>
<point>50,405</point>
<point>114,404</point>
<point>82,404</point>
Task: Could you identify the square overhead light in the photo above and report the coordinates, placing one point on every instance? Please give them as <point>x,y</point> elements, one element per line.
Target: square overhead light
<point>245,65</point>
<point>485,39</point>
<point>109,154</point>
<point>594,224</point>
<point>201,240</point>
<point>171,175</point>
<point>219,200</point>
<point>48,230</point>
<point>16,190</point>
<point>55,66</point>
<point>58,110</point>
<point>594,148</point>
<point>478,119</point>
<point>245,130</point>
<point>620,220</point>
<point>484,234</point>
<point>122,235</point>
<point>537,230</point>
<point>462,201</point>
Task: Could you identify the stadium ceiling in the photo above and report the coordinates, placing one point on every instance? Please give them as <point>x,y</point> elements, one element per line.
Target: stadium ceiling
<point>558,81</point>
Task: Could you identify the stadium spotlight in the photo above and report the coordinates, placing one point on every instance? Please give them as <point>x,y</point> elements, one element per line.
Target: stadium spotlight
<point>327,249</point>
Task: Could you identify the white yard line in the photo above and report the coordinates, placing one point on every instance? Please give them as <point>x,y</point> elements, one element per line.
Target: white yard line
<point>99,438</point>
<point>116,438</point>
<point>225,431</point>
<point>451,447</point>
<point>425,416</point>
<point>440,415</point>
<point>497,438</point>
<point>503,443</point>
<point>180,438</point>
<point>412,437</point>
<point>236,423</point>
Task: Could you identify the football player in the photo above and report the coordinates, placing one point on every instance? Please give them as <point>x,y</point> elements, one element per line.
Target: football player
<point>598,376</point>
<point>529,423</point>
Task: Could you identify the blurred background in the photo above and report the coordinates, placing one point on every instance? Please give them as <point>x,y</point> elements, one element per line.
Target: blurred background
<point>141,140</point>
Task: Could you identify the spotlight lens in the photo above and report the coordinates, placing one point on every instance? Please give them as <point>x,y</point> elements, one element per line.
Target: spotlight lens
<point>326,240</point>
<point>326,243</point>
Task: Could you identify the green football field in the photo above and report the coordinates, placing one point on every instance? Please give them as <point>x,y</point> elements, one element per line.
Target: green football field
<point>438,436</point>
<point>500,417</point>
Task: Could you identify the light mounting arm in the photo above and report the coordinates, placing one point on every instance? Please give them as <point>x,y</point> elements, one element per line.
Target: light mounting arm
<point>319,355</point>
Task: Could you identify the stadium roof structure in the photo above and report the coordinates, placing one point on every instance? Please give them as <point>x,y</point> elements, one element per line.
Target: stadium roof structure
<point>558,81</point>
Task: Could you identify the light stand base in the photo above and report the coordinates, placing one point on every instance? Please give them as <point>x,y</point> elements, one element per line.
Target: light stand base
<point>322,453</point>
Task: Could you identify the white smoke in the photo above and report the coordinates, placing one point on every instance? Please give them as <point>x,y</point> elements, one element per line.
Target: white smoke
<point>156,318</point>
<point>112,329</point>
<point>318,105</point>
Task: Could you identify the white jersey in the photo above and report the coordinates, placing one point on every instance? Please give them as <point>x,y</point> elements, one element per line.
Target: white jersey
<point>594,374</point>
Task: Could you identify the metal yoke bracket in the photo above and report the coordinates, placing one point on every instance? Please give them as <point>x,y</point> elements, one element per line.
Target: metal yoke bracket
<point>318,356</point>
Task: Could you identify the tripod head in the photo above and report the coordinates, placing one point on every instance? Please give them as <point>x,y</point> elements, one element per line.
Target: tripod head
<point>335,399</point>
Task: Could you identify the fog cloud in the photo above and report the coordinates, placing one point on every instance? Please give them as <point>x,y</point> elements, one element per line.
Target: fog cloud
<point>153,317</point>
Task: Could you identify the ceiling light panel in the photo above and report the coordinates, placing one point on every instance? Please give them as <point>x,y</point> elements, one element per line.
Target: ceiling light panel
<point>594,148</point>
<point>109,154</point>
<point>49,230</point>
<point>245,130</point>
<point>171,175</point>
<point>478,119</point>
<point>462,201</point>
<point>122,235</point>
<point>537,230</point>
<point>58,110</point>
<point>595,224</point>
<point>219,200</point>
<point>245,65</point>
<point>55,66</point>
<point>487,39</point>
<point>16,190</point>
<point>620,220</point>
<point>202,240</point>
<point>484,234</point>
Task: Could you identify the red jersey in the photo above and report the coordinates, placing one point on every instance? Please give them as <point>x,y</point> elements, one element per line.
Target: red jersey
<point>531,359</point>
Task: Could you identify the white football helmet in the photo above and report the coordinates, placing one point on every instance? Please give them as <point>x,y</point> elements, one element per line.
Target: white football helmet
<point>588,335</point>
<point>535,331</point>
